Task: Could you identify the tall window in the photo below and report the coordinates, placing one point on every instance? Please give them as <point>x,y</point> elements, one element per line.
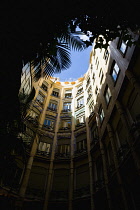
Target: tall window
<point>101,114</point>
<point>44,86</point>
<point>79,89</point>
<point>115,71</point>
<point>106,55</point>
<point>40,98</point>
<point>102,76</point>
<point>88,82</point>
<point>122,46</point>
<point>48,122</point>
<point>67,106</point>
<point>81,145</point>
<point>97,63</point>
<point>68,93</point>
<point>91,107</point>
<point>55,92</point>
<point>53,105</point>
<point>80,102</point>
<point>45,147</point>
<point>80,119</point>
<point>107,95</point>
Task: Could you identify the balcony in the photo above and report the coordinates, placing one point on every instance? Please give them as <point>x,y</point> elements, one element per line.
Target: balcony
<point>48,127</point>
<point>33,122</point>
<point>79,92</point>
<point>55,95</point>
<point>43,153</point>
<point>98,185</point>
<point>52,109</point>
<point>82,192</point>
<point>66,110</point>
<point>89,97</point>
<point>80,106</point>
<point>91,115</point>
<point>62,155</point>
<point>122,152</point>
<point>111,170</point>
<point>59,195</point>
<point>33,192</point>
<point>94,142</point>
<point>68,96</point>
<point>80,152</point>
<point>44,87</point>
<point>80,125</point>
<point>66,129</point>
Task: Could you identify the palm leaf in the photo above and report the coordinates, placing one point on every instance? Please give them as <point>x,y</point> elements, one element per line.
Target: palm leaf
<point>55,57</point>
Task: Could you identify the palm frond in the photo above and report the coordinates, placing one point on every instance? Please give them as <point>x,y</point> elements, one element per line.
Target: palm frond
<point>55,57</point>
<point>73,41</point>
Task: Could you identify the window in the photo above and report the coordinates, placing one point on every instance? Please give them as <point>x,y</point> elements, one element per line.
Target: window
<point>80,102</point>
<point>68,93</point>
<point>48,122</point>
<point>55,92</point>
<point>40,98</point>
<point>45,147</point>
<point>65,125</point>
<point>93,77</point>
<point>115,71</point>
<point>88,81</point>
<point>100,72</point>
<point>102,75</point>
<point>91,107</point>
<point>106,55</point>
<point>101,114</point>
<point>79,89</point>
<point>107,95</point>
<point>96,90</point>
<point>97,62</point>
<point>53,105</point>
<point>81,145</point>
<point>67,106</point>
<point>64,149</point>
<point>80,119</point>
<point>122,46</point>
<point>89,95</point>
<point>44,86</point>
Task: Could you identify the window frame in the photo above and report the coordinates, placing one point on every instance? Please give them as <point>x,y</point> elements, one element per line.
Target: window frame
<point>117,73</point>
<point>107,95</point>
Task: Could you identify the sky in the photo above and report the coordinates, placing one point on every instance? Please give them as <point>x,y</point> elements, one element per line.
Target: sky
<point>79,66</point>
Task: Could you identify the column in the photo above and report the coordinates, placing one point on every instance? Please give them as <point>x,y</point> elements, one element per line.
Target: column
<point>50,176</point>
<point>111,137</point>
<point>105,175</point>
<point>71,179</point>
<point>35,144</point>
<point>28,167</point>
<point>133,80</point>
<point>129,135</point>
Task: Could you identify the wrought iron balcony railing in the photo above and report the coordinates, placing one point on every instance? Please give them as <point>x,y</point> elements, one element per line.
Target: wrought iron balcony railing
<point>33,192</point>
<point>82,192</point>
<point>43,153</point>
<point>99,184</point>
<point>122,151</point>
<point>59,195</point>
<point>52,109</point>
<point>80,151</point>
<point>80,124</point>
<point>48,127</point>
<point>62,155</point>
<point>66,110</point>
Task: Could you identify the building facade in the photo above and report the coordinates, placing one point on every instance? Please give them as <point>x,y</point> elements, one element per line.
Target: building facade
<point>82,138</point>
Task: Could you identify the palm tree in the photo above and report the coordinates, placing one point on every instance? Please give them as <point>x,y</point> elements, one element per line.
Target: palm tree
<point>55,57</point>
